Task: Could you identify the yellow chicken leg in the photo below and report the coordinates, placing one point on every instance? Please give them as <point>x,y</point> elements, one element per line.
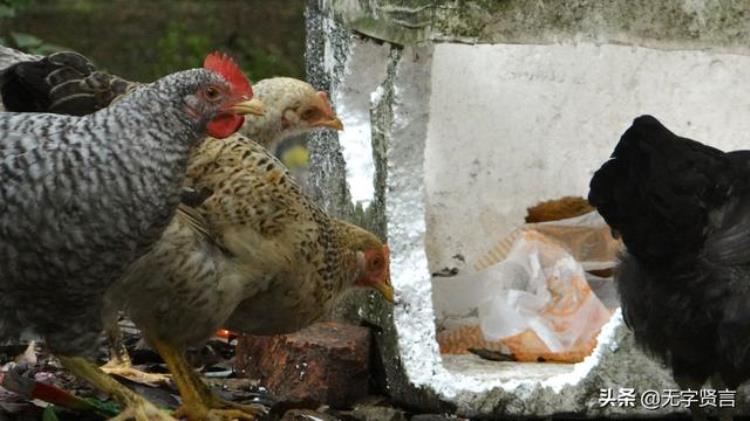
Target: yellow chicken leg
<point>120,364</point>
<point>199,403</point>
<point>216,402</point>
<point>134,405</point>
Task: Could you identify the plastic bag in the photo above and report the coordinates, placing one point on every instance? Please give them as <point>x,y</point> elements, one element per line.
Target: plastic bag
<point>549,296</point>
<point>531,289</point>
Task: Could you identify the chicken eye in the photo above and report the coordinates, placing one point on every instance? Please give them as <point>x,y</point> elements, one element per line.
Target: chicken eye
<point>376,263</point>
<point>212,94</point>
<point>308,114</point>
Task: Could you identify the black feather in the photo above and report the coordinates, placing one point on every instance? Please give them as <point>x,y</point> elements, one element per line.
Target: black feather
<point>23,88</point>
<point>657,189</point>
<point>62,83</point>
<point>683,211</point>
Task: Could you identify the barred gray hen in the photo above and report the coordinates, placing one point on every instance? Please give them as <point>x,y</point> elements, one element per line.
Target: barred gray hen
<point>81,198</point>
<point>683,211</point>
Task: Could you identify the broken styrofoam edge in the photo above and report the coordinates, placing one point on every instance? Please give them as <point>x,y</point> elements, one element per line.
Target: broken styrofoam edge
<point>414,315</point>
<point>605,341</point>
<point>356,145</point>
<point>358,90</point>
<point>414,318</point>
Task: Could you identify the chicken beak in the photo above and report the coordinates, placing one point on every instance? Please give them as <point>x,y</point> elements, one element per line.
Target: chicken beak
<point>384,287</point>
<point>386,290</point>
<point>332,122</point>
<point>253,106</point>
<point>329,117</point>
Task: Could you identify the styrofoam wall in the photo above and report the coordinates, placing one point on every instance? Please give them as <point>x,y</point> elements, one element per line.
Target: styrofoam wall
<point>513,124</point>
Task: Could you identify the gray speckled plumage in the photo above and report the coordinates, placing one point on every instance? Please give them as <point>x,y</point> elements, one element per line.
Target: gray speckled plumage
<point>83,197</point>
<point>166,282</point>
<point>9,56</point>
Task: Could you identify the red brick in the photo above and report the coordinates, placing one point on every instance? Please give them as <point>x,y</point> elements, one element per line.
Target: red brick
<point>325,363</point>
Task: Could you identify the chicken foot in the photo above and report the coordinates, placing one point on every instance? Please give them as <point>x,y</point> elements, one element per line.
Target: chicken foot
<point>217,402</point>
<point>134,405</point>
<point>199,402</point>
<point>120,364</point>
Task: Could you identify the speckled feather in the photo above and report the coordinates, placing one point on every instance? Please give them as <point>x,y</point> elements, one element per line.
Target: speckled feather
<point>257,253</point>
<point>81,198</point>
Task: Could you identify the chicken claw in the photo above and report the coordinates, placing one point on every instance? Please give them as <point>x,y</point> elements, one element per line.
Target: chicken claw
<point>199,402</point>
<point>213,406</point>
<point>138,376</point>
<point>141,412</point>
<point>136,406</point>
<point>201,412</point>
<point>119,360</point>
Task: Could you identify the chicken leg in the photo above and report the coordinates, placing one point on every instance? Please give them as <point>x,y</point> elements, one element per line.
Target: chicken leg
<point>134,405</point>
<point>199,403</point>
<point>120,364</point>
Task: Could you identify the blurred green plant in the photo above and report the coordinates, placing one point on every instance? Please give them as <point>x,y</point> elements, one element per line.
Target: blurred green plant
<point>259,63</point>
<point>180,48</point>
<point>8,10</point>
<point>49,414</point>
<point>21,40</point>
<point>8,7</point>
<point>145,39</point>
<point>32,44</point>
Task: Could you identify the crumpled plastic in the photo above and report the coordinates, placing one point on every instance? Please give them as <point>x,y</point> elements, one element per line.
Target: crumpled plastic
<point>531,290</point>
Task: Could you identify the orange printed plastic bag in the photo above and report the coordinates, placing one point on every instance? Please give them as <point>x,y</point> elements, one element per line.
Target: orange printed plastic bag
<point>531,293</point>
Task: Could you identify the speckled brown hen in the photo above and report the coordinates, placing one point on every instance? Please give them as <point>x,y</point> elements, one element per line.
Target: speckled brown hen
<point>292,107</point>
<point>256,253</point>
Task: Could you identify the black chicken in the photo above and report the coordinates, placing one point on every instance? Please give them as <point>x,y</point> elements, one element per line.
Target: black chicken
<point>683,211</point>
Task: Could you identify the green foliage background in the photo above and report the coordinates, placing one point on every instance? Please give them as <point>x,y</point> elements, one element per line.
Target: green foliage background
<point>145,39</point>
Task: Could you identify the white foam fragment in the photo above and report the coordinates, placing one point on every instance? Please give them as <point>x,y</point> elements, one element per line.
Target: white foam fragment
<point>329,60</point>
<point>364,73</point>
<point>356,144</point>
<point>376,96</point>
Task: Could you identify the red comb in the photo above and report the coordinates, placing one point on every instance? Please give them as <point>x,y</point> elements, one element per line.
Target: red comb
<point>326,103</point>
<point>229,70</point>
